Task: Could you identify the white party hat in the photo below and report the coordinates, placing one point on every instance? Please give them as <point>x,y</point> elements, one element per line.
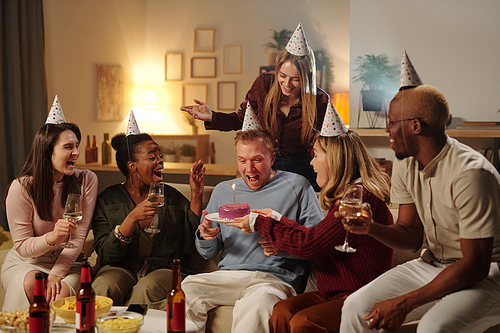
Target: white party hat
<point>56,115</point>
<point>409,76</point>
<point>132,127</point>
<point>332,124</point>
<point>297,45</point>
<point>250,122</point>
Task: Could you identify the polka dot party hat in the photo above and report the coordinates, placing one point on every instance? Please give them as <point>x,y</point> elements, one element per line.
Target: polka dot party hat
<point>250,122</point>
<point>409,76</point>
<point>332,124</point>
<point>132,127</point>
<point>56,115</point>
<point>297,45</point>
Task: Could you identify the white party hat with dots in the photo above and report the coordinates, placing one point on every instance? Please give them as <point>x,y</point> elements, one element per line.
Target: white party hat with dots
<point>409,76</point>
<point>332,124</point>
<point>297,45</point>
<point>132,127</point>
<point>250,122</point>
<point>56,115</point>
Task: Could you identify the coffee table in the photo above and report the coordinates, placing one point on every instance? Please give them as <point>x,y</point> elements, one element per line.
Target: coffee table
<point>155,321</point>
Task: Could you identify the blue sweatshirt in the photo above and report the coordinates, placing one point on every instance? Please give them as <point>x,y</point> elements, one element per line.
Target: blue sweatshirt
<point>287,193</point>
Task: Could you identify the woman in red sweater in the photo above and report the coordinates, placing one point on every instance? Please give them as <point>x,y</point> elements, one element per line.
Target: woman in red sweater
<point>339,161</point>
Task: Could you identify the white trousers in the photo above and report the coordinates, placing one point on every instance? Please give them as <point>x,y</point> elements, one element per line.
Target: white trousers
<point>14,270</point>
<point>252,293</point>
<point>473,309</point>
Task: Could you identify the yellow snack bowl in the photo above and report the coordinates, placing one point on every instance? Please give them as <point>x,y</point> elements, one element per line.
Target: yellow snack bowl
<point>66,307</point>
<point>119,322</point>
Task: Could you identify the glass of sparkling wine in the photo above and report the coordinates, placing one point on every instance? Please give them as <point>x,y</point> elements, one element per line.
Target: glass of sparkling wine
<point>156,194</point>
<point>350,203</point>
<point>72,212</point>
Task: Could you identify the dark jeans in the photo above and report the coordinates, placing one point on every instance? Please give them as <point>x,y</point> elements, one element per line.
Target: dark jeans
<point>296,163</point>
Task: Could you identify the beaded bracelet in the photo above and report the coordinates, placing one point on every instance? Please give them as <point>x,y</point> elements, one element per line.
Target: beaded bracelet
<point>119,235</point>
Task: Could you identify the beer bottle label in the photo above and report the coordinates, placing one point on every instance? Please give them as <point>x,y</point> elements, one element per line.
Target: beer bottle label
<point>85,314</point>
<point>178,316</point>
<point>39,324</point>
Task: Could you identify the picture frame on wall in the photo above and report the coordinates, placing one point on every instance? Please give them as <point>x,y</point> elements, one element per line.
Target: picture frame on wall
<point>174,67</point>
<point>203,67</point>
<point>194,91</point>
<point>110,93</point>
<point>226,96</point>
<point>232,59</point>
<point>204,40</point>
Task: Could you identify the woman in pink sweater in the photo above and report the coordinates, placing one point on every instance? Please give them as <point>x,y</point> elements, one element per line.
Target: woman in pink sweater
<point>339,161</point>
<point>34,202</point>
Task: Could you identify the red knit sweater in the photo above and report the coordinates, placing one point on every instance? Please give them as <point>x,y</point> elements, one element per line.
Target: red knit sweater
<point>339,273</point>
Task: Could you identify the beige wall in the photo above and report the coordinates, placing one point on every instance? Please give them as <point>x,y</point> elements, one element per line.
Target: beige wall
<point>453,45</point>
<point>136,34</point>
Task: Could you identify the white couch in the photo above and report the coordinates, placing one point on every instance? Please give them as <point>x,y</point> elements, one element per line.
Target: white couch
<point>220,318</point>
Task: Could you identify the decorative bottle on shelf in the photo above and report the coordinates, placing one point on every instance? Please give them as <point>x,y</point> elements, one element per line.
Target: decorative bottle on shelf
<point>39,312</point>
<point>106,150</point>
<point>94,150</point>
<point>85,302</point>
<point>176,302</point>
<point>88,151</point>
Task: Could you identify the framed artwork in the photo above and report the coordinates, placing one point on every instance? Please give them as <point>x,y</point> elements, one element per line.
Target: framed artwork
<point>110,93</point>
<point>204,40</point>
<point>194,91</point>
<point>173,67</point>
<point>226,96</point>
<point>203,67</point>
<point>232,59</point>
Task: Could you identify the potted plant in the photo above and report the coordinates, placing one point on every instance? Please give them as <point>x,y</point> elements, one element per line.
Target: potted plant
<point>376,73</point>
<point>188,153</point>
<point>170,153</point>
<point>192,122</point>
<point>324,67</point>
<point>280,39</point>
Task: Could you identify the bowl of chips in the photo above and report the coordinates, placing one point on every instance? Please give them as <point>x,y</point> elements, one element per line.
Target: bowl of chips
<point>119,322</point>
<point>17,321</point>
<point>66,307</point>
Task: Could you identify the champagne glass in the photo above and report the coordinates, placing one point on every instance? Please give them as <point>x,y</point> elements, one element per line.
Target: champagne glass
<point>350,203</point>
<point>156,194</point>
<point>72,212</point>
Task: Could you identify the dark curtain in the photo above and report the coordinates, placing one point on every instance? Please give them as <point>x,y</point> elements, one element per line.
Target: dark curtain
<point>23,107</point>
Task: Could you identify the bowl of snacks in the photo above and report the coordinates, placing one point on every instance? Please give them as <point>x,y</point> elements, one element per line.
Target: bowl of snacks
<point>119,322</point>
<point>66,307</point>
<point>17,321</point>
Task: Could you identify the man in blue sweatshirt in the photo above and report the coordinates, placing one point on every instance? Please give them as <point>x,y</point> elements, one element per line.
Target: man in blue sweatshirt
<point>253,276</point>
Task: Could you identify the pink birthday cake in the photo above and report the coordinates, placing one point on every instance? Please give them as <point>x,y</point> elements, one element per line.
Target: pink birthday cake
<point>232,211</point>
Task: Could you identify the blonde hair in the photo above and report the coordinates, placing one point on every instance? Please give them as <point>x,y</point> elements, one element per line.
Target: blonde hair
<point>306,66</point>
<point>347,160</point>
<point>254,135</point>
<point>426,103</point>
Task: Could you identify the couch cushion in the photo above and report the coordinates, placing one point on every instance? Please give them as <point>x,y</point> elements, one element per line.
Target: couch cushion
<point>5,240</point>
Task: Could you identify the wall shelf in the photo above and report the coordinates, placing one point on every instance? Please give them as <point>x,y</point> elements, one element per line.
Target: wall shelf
<point>202,143</point>
<point>454,133</point>
<point>374,132</point>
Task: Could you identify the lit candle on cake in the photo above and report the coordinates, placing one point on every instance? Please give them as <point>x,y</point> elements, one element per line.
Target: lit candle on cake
<point>234,196</point>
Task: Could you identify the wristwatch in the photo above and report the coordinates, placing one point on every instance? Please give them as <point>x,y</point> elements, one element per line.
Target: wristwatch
<point>119,235</point>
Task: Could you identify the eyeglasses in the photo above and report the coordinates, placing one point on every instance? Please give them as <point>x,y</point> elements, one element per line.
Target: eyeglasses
<point>390,123</point>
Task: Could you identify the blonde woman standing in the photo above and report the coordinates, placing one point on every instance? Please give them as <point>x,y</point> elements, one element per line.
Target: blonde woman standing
<point>286,102</point>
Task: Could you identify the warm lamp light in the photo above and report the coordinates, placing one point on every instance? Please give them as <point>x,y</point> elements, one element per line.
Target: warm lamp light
<point>144,96</point>
<point>341,103</point>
